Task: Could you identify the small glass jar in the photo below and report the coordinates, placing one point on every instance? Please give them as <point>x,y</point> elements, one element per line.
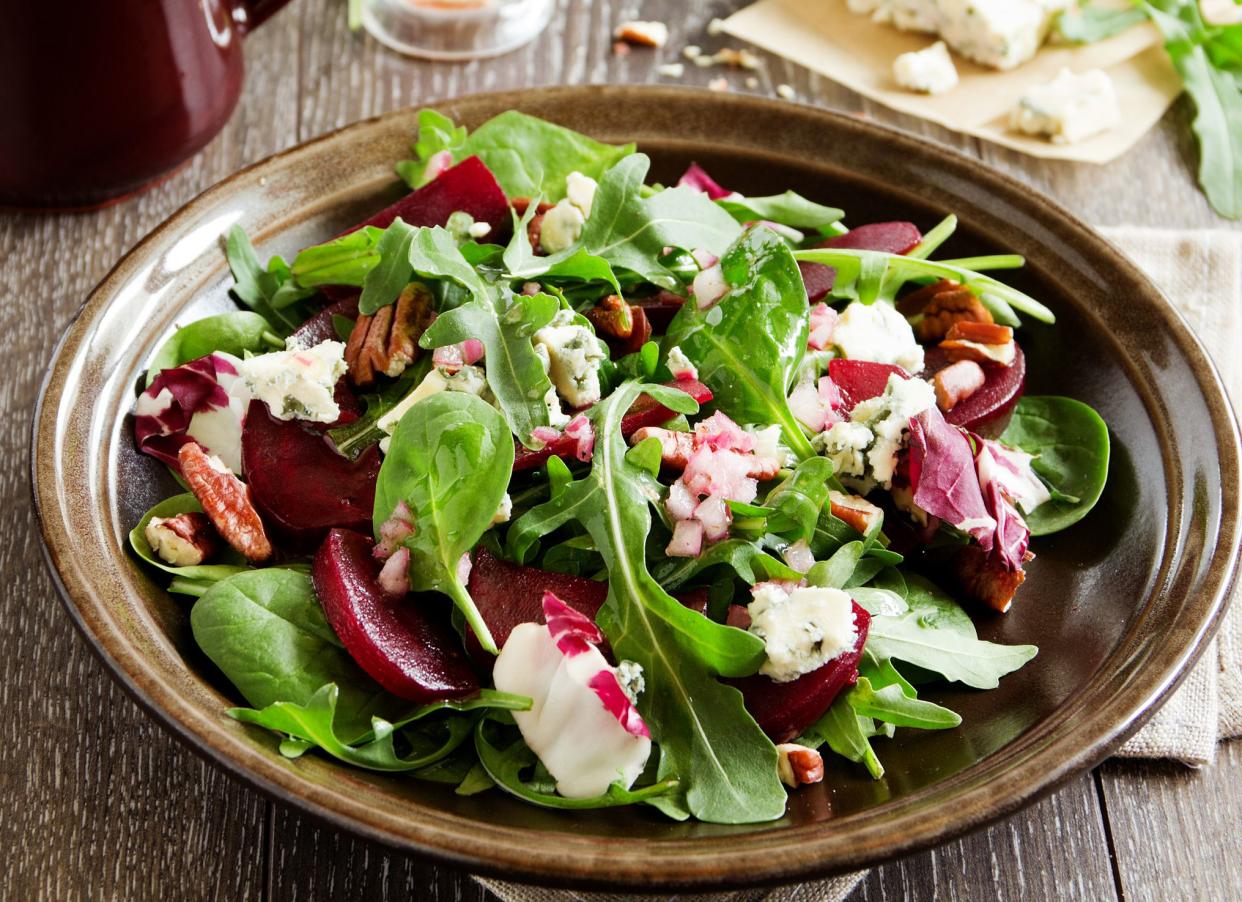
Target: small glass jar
<point>455,29</point>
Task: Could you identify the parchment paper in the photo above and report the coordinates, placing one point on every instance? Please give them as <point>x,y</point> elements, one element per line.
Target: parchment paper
<point>849,48</point>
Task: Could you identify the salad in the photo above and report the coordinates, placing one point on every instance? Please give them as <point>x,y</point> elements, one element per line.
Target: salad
<point>553,481</point>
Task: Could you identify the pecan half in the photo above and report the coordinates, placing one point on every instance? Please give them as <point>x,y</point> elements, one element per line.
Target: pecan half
<point>387,342</point>
<point>915,302</point>
<point>980,342</point>
<point>957,382</point>
<point>185,540</point>
<point>857,512</point>
<point>624,327</point>
<point>798,765</point>
<point>947,309</point>
<point>985,578</point>
<point>225,500</point>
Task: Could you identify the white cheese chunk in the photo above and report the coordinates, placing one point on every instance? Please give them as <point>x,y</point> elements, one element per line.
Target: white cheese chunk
<point>468,379</point>
<point>877,332</point>
<point>298,383</point>
<point>580,191</point>
<point>1070,108</point>
<point>561,227</point>
<point>927,71</point>
<point>915,15</point>
<point>574,358</point>
<point>1001,34</point>
<point>801,630</point>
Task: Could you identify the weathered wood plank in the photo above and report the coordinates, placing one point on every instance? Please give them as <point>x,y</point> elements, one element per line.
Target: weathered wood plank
<point>1175,830</point>
<point>99,801</point>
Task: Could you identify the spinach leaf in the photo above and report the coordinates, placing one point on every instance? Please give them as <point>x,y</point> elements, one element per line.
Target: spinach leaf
<point>1071,448</point>
<point>869,276</point>
<point>342,261</point>
<point>748,347</point>
<point>527,155</point>
<point>726,766</point>
<point>190,577</point>
<point>312,726</point>
<point>505,323</point>
<point>233,333</point>
<point>935,608</point>
<point>1088,23</point>
<point>790,208</point>
<point>952,654</point>
<point>800,498</point>
<point>266,631</point>
<point>892,705</point>
<point>265,290</point>
<point>393,272</point>
<point>505,766</point>
<point>1194,48</point>
<point>449,460</point>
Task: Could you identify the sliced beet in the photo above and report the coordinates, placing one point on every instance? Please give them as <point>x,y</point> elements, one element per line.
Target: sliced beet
<point>508,595</point>
<point>987,411</point>
<point>818,280</point>
<point>644,412</point>
<point>407,647</point>
<point>320,327</point>
<point>860,380</point>
<point>469,186</point>
<point>785,710</point>
<point>300,484</point>
<point>890,237</point>
<point>660,308</point>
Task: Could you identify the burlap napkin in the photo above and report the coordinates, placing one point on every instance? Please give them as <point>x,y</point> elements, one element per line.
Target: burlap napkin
<point>1201,273</point>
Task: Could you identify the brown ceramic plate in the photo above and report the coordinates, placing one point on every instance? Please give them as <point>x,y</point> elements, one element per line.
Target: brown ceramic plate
<point>1120,604</point>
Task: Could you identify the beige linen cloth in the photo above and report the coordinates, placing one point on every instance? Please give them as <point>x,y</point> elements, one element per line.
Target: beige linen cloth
<point>1201,273</point>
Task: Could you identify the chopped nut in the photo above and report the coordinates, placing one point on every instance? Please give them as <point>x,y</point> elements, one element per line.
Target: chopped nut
<point>857,512</point>
<point>185,540</point>
<point>798,765</point>
<point>360,371</point>
<point>719,85</point>
<point>671,70</point>
<point>957,382</point>
<point>980,342</point>
<point>643,34</point>
<point>225,500</point>
<point>692,51</point>
<point>785,92</point>
<point>947,307</point>
<point>752,82</point>
<point>620,48</point>
<point>715,27</point>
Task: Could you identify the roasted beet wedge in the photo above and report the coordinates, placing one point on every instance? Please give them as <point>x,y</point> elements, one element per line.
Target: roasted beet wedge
<point>891,237</point>
<point>859,380</point>
<point>644,412</point>
<point>818,280</point>
<point>403,645</point>
<point>784,710</point>
<point>987,411</point>
<point>320,327</point>
<point>468,186</point>
<point>508,594</point>
<point>298,481</point>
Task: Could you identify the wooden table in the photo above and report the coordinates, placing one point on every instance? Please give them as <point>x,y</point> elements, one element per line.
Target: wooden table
<point>102,803</point>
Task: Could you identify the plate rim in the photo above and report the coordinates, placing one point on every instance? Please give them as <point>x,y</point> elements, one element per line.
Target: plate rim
<point>707,869</point>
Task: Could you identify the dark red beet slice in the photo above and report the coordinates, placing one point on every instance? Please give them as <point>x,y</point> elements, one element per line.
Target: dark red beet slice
<point>818,280</point>
<point>644,412</point>
<point>320,328</point>
<point>406,647</point>
<point>660,309</point>
<point>508,594</point>
<point>859,380</point>
<point>891,237</point>
<point>784,710</point>
<point>301,486</point>
<point>987,411</point>
<point>468,186</point>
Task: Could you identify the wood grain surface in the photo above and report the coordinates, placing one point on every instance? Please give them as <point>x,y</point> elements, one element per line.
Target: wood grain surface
<point>102,804</point>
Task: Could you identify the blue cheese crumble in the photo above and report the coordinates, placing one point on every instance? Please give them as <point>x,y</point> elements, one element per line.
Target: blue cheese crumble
<point>299,383</point>
<point>927,71</point>
<point>801,630</point>
<point>574,357</point>
<point>1070,108</point>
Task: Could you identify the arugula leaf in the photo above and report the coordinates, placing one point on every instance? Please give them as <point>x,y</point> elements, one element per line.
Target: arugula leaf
<point>268,290</point>
<point>790,209</point>
<point>393,272</point>
<point>449,460</point>
<point>345,260</point>
<point>892,705</point>
<point>747,559</point>
<point>1088,23</point>
<point>352,439</point>
<point>505,323</point>
<point>266,631</point>
<point>842,729</point>
<point>749,345</point>
<point>233,333</point>
<point>726,766</point>
<point>1071,448</point>
<point>312,726</point>
<point>952,654</point>
<point>835,572</point>
<point>1195,49</point>
<point>800,498</point>
<point>505,767</point>
<point>869,276</point>
<point>189,577</point>
<point>528,156</point>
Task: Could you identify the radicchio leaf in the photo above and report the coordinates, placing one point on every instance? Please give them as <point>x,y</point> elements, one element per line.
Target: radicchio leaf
<point>942,475</point>
<point>202,401</point>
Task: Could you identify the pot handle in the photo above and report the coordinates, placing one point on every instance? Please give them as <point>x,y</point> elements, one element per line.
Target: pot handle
<point>250,14</point>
